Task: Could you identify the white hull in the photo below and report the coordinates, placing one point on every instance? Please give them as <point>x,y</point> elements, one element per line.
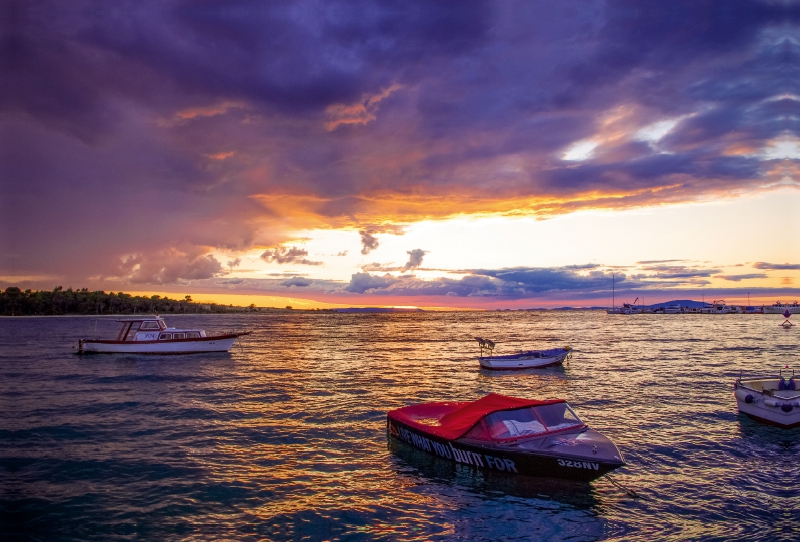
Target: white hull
<point>779,310</point>
<point>522,362</point>
<point>780,408</point>
<point>185,346</point>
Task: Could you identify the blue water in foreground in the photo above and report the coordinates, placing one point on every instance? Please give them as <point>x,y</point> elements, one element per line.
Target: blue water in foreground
<point>284,438</point>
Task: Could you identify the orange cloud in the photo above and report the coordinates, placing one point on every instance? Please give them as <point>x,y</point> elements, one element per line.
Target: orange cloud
<point>221,155</point>
<point>208,111</point>
<point>379,210</point>
<point>360,112</point>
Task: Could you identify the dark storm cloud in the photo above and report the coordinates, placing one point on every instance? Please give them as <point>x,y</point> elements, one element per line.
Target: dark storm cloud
<point>516,283</point>
<point>536,280</point>
<point>135,128</point>
<point>584,281</point>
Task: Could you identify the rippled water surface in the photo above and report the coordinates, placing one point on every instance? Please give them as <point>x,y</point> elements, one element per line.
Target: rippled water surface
<point>284,438</point>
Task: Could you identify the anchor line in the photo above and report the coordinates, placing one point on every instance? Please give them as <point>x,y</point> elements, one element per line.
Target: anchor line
<point>627,490</point>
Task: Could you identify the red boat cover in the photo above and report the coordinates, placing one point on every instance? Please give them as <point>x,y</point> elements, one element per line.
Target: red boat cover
<point>456,419</point>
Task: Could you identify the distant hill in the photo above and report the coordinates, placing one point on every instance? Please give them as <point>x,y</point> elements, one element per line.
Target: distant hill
<point>377,309</point>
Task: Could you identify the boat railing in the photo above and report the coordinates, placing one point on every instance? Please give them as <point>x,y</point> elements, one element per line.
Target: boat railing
<point>784,385</point>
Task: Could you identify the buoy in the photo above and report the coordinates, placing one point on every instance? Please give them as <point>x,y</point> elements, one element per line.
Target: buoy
<point>742,395</point>
<point>786,407</point>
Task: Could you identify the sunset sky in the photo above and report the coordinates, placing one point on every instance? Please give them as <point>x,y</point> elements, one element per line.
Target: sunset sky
<point>410,153</point>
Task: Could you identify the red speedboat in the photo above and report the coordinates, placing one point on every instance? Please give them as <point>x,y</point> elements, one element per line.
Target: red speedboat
<point>508,434</point>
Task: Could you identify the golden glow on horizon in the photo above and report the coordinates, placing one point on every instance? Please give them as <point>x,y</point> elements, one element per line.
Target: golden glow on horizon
<point>396,210</point>
<point>722,233</point>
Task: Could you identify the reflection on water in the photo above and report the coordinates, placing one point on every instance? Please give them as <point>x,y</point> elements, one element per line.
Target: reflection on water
<point>285,437</point>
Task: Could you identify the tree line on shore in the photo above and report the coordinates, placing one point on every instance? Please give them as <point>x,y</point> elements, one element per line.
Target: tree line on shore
<point>17,302</point>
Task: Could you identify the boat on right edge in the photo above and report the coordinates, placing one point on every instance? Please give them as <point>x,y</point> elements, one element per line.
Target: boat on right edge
<point>780,308</point>
<point>769,399</point>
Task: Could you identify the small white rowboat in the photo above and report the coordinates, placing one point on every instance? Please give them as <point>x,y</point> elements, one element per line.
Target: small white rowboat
<point>769,399</point>
<point>527,360</point>
<point>150,335</point>
<point>523,360</point>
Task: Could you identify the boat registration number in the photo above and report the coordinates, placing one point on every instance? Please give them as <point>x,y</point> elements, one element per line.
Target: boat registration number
<point>579,464</point>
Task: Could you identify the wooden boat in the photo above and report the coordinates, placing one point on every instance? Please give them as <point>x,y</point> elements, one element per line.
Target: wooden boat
<point>150,335</point>
<point>769,399</point>
<point>522,360</point>
<point>508,434</point>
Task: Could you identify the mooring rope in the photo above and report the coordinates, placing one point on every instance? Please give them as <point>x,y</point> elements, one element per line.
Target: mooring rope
<point>627,490</point>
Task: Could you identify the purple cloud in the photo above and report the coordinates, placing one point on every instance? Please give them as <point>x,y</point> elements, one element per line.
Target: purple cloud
<point>284,255</point>
<point>175,124</point>
<point>368,241</point>
<point>414,259</point>
<point>300,282</point>
<point>363,282</point>
<point>168,267</point>
<point>776,266</point>
<point>738,278</point>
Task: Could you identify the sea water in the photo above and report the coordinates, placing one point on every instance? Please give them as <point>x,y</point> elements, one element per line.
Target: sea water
<point>285,436</point>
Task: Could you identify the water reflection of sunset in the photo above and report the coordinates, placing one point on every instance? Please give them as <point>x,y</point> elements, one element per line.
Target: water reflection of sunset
<point>286,436</point>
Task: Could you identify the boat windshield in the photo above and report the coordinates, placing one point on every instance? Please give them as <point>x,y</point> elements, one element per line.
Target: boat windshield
<point>525,422</point>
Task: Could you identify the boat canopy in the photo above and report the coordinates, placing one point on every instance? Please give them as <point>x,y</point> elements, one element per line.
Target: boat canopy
<point>460,417</point>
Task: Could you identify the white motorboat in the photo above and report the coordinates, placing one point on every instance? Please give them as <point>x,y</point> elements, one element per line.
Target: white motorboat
<point>626,308</point>
<point>769,399</point>
<point>720,307</point>
<point>673,309</point>
<point>529,359</point>
<point>150,335</point>
<point>780,308</point>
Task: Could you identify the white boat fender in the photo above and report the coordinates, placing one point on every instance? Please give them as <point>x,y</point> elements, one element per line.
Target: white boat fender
<point>744,396</point>
<point>771,402</point>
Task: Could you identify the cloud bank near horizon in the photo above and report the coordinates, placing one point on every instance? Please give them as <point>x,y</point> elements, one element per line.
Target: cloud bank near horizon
<point>585,285</point>
<point>139,138</point>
